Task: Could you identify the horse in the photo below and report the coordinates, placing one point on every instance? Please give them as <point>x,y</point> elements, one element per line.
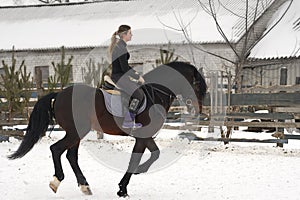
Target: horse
<point>78,109</point>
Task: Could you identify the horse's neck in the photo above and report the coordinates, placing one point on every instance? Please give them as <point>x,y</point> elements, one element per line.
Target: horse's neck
<point>162,96</point>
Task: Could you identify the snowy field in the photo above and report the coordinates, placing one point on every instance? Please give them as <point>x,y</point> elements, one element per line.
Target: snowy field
<point>185,170</point>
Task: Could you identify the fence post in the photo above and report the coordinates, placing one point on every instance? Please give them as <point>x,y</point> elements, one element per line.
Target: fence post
<point>283,81</point>
<point>218,100</point>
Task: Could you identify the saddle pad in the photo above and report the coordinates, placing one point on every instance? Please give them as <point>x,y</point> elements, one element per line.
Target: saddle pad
<point>115,92</point>
<point>113,104</point>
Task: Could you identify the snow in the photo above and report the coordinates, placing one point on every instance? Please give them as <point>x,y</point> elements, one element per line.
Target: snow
<point>199,170</point>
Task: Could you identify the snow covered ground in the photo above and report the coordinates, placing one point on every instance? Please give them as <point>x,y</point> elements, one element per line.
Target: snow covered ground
<point>185,170</point>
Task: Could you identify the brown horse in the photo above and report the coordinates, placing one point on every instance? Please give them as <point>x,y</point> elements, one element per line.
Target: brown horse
<point>80,108</point>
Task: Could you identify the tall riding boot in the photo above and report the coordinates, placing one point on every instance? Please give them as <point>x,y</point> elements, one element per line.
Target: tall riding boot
<point>129,120</point>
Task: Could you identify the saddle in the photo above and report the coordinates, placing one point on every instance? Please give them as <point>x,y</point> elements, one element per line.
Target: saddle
<point>115,98</point>
<point>110,87</point>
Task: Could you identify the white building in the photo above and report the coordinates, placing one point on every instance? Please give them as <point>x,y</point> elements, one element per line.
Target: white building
<point>38,31</point>
<point>278,54</point>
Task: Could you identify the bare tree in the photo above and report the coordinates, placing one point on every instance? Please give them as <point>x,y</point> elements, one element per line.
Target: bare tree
<point>250,31</point>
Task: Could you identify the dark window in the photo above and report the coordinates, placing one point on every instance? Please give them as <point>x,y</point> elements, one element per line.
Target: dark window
<point>283,76</point>
<point>297,80</point>
<point>42,71</point>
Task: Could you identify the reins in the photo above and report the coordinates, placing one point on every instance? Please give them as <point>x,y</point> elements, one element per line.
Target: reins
<point>151,96</point>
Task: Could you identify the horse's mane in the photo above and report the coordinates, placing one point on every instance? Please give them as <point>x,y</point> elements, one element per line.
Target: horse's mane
<point>185,69</point>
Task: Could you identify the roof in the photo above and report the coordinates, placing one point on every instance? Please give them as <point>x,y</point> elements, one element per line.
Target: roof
<point>284,39</point>
<point>92,23</point>
<point>13,2</point>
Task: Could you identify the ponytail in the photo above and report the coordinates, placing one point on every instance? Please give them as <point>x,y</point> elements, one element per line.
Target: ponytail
<point>113,42</point>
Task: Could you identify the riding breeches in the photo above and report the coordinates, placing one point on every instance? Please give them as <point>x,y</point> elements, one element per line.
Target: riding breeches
<point>132,89</point>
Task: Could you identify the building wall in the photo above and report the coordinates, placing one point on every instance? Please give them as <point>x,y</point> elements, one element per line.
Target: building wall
<point>266,72</point>
<point>263,72</point>
<point>142,56</point>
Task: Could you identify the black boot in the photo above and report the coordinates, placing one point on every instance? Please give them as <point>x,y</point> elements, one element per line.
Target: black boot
<point>129,119</point>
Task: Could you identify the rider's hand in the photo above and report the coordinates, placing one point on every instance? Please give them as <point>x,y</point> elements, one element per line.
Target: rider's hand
<point>141,80</point>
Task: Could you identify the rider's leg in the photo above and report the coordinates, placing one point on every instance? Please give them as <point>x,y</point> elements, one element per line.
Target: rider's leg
<point>134,105</point>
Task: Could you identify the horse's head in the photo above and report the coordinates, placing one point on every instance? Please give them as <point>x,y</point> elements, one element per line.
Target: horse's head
<point>180,78</point>
<point>195,92</point>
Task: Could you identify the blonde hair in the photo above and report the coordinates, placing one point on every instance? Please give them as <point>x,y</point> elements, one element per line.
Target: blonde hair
<point>116,36</point>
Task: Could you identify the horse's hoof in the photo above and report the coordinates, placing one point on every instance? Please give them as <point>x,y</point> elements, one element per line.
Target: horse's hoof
<point>54,184</point>
<point>85,189</point>
<point>122,192</point>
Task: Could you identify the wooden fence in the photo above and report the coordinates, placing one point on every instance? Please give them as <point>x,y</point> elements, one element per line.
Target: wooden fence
<point>283,112</point>
<point>283,107</point>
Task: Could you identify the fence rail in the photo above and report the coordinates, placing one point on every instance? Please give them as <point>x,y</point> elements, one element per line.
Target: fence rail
<point>272,89</point>
<point>282,106</point>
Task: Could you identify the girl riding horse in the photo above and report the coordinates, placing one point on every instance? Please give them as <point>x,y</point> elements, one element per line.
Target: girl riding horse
<point>124,76</point>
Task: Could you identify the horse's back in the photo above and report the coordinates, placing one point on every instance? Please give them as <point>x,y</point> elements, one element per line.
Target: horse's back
<point>75,106</point>
<point>75,96</point>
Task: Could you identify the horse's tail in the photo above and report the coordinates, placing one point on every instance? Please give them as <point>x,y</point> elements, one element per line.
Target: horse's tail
<point>39,120</point>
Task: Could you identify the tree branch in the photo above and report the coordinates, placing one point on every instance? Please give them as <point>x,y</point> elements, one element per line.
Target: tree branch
<point>183,29</point>
<point>220,30</point>
<point>230,11</point>
<point>244,49</point>
<point>272,27</point>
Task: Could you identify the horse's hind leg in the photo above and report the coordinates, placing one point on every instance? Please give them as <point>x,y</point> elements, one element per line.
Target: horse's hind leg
<point>57,150</point>
<point>72,156</point>
<point>151,145</point>
<point>135,159</point>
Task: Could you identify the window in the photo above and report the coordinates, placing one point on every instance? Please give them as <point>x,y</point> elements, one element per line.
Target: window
<point>283,76</point>
<point>297,80</point>
<point>41,72</point>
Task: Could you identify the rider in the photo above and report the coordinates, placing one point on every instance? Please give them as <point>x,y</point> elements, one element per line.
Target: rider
<point>124,76</point>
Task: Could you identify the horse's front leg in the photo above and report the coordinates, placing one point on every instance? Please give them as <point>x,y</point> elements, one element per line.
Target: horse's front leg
<point>135,159</point>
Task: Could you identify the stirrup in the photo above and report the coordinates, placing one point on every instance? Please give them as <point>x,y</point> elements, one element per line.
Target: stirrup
<point>131,125</point>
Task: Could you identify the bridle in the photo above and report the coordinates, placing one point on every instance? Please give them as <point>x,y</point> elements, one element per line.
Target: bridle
<point>151,96</point>
<point>171,96</point>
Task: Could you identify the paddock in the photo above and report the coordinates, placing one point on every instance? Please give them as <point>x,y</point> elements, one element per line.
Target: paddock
<point>202,170</point>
